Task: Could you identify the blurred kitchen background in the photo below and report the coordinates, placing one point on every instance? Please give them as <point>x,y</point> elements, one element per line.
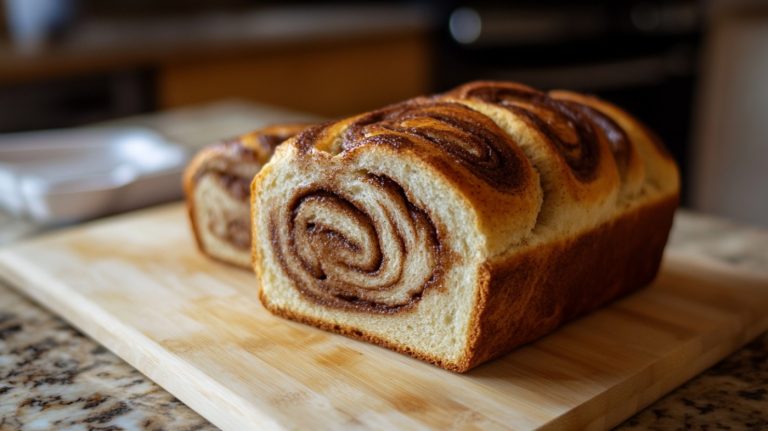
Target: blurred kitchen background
<point>150,77</point>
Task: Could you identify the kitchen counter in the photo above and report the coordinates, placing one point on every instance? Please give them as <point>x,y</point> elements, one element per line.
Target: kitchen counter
<point>54,377</point>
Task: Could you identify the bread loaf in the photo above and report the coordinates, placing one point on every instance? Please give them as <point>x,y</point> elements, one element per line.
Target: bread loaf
<point>458,226</point>
<point>217,186</point>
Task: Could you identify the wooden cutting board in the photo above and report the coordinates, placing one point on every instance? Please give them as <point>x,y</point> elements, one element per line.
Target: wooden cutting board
<point>137,284</point>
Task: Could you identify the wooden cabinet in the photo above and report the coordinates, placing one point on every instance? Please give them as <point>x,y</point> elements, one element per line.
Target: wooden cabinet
<point>330,79</point>
<point>331,72</point>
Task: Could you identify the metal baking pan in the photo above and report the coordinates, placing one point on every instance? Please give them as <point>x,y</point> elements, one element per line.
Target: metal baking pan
<point>68,175</point>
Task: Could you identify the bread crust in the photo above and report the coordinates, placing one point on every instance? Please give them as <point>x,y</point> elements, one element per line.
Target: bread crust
<point>529,294</point>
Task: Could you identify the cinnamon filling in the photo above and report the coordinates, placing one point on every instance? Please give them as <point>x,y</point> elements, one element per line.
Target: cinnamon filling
<point>616,136</point>
<point>238,233</point>
<point>378,256</point>
<point>233,226</point>
<point>564,124</point>
<point>238,187</point>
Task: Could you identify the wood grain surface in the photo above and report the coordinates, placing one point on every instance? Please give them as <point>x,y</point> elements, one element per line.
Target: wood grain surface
<point>137,284</point>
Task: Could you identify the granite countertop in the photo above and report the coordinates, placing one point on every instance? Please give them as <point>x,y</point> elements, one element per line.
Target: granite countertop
<point>54,377</point>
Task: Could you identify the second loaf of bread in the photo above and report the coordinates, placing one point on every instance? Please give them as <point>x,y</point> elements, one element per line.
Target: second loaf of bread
<point>217,189</point>
<point>456,227</point>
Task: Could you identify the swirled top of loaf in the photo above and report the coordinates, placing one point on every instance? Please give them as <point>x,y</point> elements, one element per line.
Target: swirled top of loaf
<point>375,211</point>
<point>532,164</point>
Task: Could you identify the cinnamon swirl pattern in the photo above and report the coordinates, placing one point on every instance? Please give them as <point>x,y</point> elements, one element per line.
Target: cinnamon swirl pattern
<point>377,254</point>
<point>217,184</point>
<point>567,126</point>
<point>467,136</point>
<point>417,225</point>
<point>355,239</point>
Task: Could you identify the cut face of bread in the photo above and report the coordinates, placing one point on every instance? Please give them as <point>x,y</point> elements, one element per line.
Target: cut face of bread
<point>217,184</point>
<point>457,227</point>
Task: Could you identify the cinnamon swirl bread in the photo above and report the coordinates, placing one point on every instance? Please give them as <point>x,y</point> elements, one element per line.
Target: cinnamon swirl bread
<point>456,227</point>
<point>217,186</point>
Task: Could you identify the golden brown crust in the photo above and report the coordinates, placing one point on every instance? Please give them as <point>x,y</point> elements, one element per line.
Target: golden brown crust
<point>530,294</point>
<point>226,159</point>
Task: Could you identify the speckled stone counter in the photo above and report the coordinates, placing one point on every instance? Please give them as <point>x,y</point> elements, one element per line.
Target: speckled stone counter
<point>53,377</point>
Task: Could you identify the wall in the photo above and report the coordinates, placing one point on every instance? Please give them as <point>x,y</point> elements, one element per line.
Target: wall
<point>731,151</point>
